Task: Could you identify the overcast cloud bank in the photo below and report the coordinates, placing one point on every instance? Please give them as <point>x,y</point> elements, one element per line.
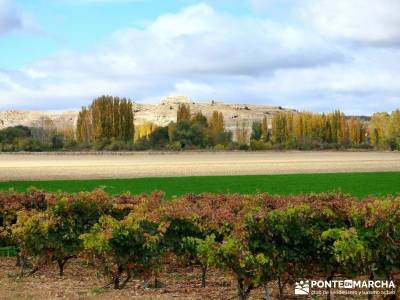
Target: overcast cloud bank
<point>342,54</point>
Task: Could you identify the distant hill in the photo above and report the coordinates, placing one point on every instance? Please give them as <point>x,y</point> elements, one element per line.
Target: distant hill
<point>160,114</point>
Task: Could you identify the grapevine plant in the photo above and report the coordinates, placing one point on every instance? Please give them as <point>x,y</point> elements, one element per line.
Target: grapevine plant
<point>261,240</point>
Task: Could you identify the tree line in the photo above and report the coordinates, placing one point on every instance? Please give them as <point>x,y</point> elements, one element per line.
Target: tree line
<point>43,136</point>
<point>334,130</point>
<point>190,131</point>
<point>261,240</point>
<point>108,124</point>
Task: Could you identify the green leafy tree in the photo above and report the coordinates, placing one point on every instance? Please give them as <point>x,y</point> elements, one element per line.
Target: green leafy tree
<point>158,139</point>
<point>200,119</point>
<point>256,131</point>
<point>188,135</point>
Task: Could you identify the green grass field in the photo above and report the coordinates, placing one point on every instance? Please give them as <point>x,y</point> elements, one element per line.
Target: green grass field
<point>357,184</point>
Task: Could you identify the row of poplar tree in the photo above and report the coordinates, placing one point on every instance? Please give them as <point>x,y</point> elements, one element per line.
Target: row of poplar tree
<point>107,117</point>
<point>311,130</point>
<point>110,120</point>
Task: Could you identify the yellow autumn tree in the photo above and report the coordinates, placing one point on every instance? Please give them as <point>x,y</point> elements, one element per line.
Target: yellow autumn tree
<point>242,132</point>
<point>183,113</point>
<point>216,123</point>
<point>144,130</point>
<point>378,130</point>
<point>264,130</point>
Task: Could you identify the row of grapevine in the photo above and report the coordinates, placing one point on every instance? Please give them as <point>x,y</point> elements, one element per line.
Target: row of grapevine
<point>260,239</point>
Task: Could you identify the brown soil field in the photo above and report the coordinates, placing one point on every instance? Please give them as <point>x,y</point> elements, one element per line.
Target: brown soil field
<point>131,165</point>
<point>84,283</point>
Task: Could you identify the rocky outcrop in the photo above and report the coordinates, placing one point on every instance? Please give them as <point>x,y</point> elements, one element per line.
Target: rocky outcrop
<point>61,120</point>
<point>160,114</point>
<point>165,112</point>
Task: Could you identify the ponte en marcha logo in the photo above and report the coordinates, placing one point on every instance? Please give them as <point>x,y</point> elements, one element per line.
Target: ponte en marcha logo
<point>345,287</point>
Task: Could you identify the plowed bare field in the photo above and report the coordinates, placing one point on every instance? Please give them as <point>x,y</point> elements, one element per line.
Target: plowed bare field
<point>133,165</point>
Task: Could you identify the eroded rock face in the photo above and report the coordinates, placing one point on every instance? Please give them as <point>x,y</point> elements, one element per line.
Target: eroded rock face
<point>61,120</point>
<point>160,114</point>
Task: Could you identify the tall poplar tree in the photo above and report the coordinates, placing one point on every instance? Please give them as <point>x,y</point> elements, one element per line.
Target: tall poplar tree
<point>107,117</point>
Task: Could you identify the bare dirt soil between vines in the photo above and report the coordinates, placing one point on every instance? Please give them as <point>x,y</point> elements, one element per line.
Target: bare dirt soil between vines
<point>84,283</point>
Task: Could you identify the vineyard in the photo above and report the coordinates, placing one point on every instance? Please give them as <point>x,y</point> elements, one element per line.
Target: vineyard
<point>264,242</point>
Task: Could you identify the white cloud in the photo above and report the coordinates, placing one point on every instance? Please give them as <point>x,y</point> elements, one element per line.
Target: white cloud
<point>12,17</point>
<point>206,54</point>
<point>374,22</point>
<point>198,42</point>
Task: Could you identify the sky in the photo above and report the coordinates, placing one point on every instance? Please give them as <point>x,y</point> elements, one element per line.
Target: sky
<point>310,55</point>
